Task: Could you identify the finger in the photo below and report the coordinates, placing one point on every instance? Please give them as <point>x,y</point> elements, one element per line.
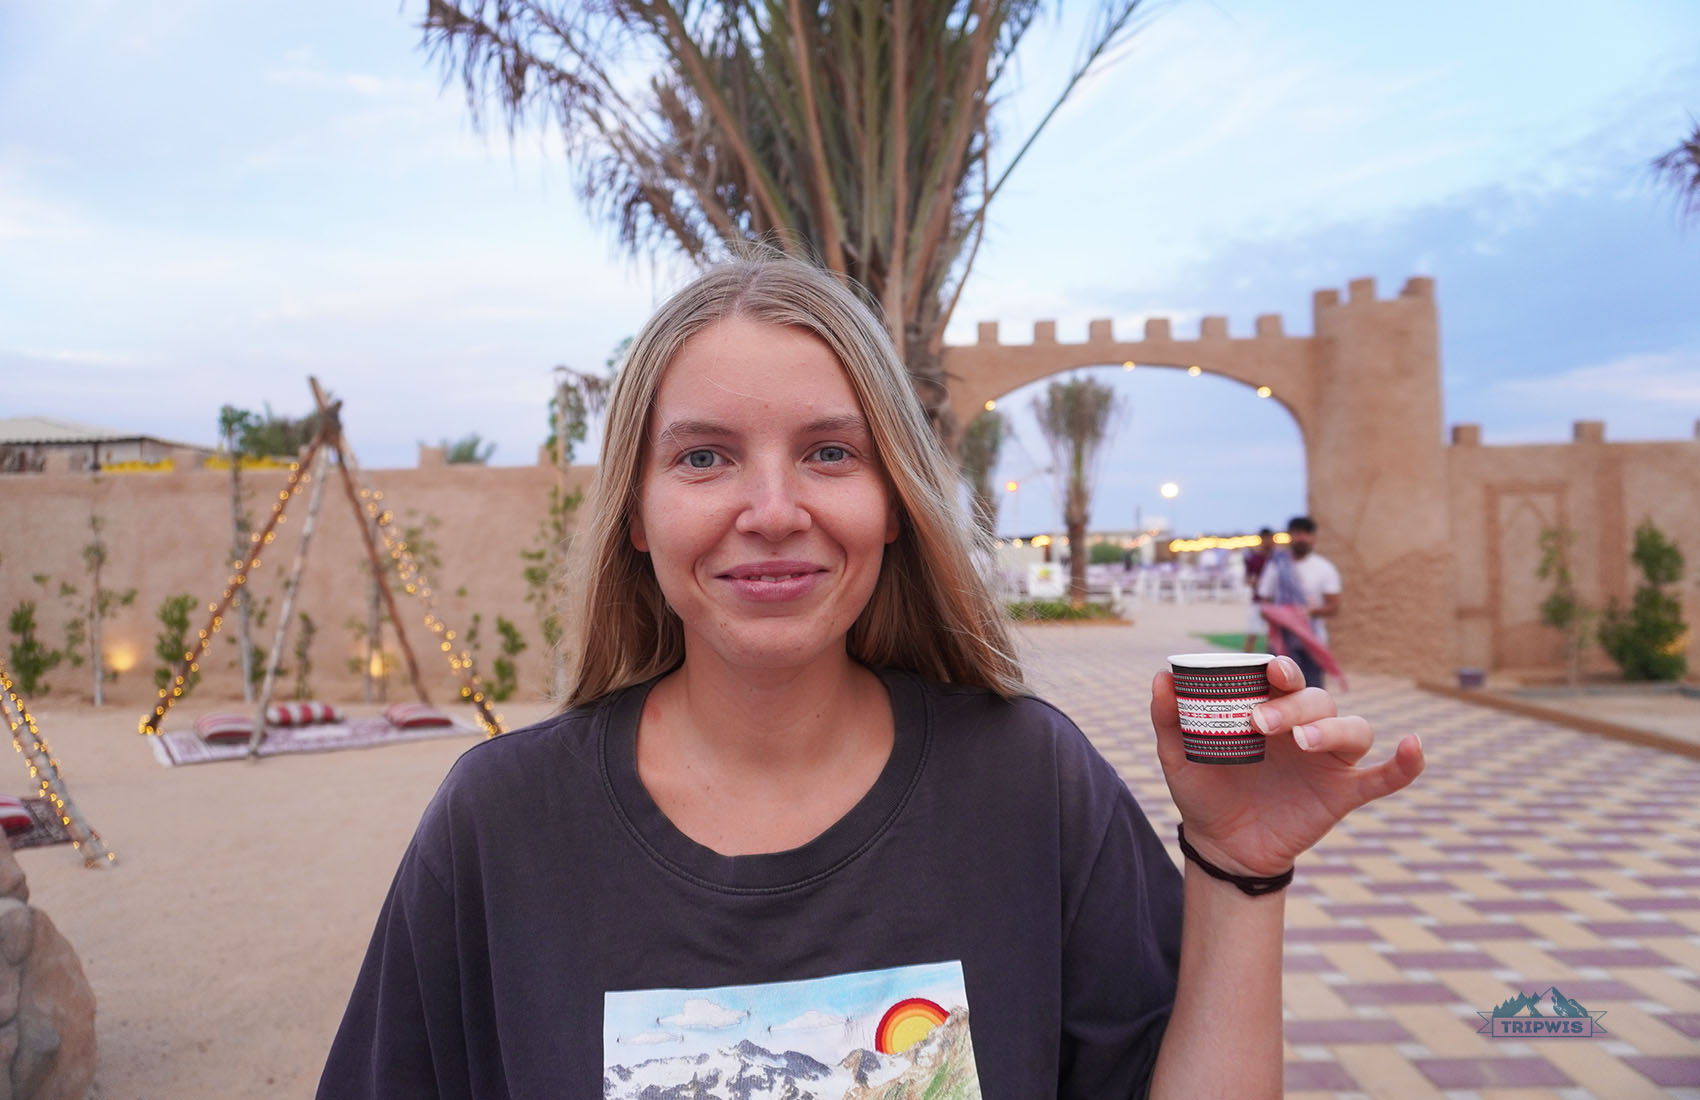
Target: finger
<point>1392,774</point>
<point>1348,738</point>
<point>1281,714</point>
<point>1166,720</point>
<point>1285,675</point>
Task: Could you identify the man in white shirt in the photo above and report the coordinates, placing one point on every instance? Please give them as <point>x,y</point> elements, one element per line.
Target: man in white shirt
<point>1319,585</point>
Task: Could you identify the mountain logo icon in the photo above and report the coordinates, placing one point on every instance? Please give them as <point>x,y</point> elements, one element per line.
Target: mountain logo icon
<point>1540,1016</point>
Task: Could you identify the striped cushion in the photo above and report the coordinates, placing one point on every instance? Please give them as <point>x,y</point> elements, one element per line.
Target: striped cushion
<point>14,815</point>
<point>406,716</point>
<point>223,727</point>
<point>301,714</point>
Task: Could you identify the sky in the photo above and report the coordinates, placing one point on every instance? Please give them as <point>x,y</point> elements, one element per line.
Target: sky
<point>204,203</point>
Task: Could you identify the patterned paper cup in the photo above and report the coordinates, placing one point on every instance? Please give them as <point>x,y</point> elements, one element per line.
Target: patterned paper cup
<point>1216,692</point>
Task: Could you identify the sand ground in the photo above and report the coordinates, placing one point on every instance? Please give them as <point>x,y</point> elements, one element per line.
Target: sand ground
<point>223,944</point>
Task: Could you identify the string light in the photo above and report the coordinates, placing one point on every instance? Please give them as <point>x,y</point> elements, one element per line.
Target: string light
<point>168,696</point>
<point>413,580</point>
<point>83,838</point>
<point>1264,391</point>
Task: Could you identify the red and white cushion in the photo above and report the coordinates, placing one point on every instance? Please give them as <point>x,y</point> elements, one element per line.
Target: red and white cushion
<point>406,716</point>
<point>15,816</point>
<point>301,714</point>
<point>224,727</point>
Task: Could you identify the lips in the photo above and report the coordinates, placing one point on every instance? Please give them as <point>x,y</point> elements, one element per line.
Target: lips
<point>771,571</point>
<point>771,582</point>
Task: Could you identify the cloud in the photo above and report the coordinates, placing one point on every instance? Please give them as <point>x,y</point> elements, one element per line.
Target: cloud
<point>301,74</point>
<point>1656,378</point>
<point>650,1038</point>
<point>809,1021</point>
<point>701,1014</point>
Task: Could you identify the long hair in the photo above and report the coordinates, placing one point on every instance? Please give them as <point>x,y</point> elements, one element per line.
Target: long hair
<point>930,611</point>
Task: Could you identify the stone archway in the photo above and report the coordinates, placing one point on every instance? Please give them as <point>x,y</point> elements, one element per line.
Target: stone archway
<point>1364,388</point>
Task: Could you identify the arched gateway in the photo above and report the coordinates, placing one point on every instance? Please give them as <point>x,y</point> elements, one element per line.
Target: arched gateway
<point>1365,390</point>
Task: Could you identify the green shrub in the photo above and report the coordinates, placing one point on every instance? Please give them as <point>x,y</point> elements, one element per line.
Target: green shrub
<point>506,681</point>
<point>172,643</point>
<point>31,661</point>
<point>1054,611</point>
<point>1647,641</point>
<point>1105,553</point>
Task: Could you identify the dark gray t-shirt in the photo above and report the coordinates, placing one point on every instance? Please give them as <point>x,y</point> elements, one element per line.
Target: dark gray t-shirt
<point>995,918</point>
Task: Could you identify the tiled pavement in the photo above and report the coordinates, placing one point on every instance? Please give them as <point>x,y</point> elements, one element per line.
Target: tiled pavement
<point>1527,856</point>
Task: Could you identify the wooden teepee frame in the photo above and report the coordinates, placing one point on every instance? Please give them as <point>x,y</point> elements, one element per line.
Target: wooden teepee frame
<point>44,769</point>
<point>369,513</point>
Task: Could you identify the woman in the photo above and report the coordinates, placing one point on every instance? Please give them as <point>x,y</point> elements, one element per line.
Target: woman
<point>800,828</point>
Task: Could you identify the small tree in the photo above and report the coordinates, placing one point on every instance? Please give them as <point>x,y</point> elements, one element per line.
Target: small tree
<point>978,453</point>
<point>1563,609</point>
<point>506,680</point>
<point>172,642</point>
<point>31,661</point>
<point>304,656</point>
<point>1077,417</point>
<point>236,430</point>
<point>102,603</point>
<point>1648,640</point>
<point>469,450</point>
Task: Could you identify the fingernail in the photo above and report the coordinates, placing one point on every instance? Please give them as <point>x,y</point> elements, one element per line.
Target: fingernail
<point>1291,668</point>
<point>1263,718</point>
<point>1305,736</point>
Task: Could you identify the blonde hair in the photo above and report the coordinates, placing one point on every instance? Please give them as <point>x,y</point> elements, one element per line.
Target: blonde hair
<point>930,611</point>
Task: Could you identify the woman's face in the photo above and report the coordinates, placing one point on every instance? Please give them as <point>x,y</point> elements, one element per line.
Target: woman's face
<point>762,506</point>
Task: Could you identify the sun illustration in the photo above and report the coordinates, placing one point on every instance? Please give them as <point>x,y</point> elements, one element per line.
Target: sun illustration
<point>906,1023</point>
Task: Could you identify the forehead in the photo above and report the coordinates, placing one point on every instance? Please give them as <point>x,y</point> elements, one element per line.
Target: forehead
<point>743,367</point>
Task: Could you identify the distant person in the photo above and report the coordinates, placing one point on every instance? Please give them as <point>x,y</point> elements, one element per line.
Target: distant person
<point>1298,591</point>
<point>1255,559</point>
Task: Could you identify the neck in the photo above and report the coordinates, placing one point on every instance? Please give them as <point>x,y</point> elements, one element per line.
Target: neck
<point>770,720</point>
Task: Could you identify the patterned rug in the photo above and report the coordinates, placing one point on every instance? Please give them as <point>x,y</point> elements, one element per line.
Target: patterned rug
<point>45,828</point>
<point>176,747</point>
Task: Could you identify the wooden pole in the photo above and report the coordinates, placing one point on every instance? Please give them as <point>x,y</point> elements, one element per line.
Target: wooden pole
<point>344,460</point>
<point>45,771</point>
<point>292,587</point>
<point>171,692</point>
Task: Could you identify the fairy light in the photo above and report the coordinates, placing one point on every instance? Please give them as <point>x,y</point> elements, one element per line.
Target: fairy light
<point>51,783</point>
<point>414,582</point>
<point>168,695</point>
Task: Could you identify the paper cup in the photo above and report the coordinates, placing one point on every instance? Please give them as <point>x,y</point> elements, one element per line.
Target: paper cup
<point>1216,692</point>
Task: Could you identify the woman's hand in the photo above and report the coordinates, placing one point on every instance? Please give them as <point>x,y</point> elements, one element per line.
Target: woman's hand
<point>1256,819</point>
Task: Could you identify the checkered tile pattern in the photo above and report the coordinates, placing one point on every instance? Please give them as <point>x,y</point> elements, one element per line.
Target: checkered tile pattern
<point>1528,855</point>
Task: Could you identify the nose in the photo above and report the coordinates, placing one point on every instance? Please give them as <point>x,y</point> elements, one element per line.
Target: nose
<point>773,506</point>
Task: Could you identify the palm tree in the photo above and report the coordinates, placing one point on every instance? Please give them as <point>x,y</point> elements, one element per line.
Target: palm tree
<point>978,457</point>
<point>1680,168</point>
<point>857,133</point>
<point>469,450</point>
<point>1077,417</point>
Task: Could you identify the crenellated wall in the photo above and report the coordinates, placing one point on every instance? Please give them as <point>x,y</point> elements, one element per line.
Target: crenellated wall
<point>1437,543</point>
<point>1364,388</point>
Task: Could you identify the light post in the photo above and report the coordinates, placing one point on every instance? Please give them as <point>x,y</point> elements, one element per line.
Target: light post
<point>1171,492</point>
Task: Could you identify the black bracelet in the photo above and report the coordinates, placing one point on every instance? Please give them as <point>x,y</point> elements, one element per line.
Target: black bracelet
<point>1248,884</point>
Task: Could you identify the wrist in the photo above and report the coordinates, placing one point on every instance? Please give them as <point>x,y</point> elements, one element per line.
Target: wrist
<point>1231,871</point>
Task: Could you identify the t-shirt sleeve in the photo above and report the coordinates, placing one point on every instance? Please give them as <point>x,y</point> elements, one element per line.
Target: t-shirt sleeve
<point>402,1034</point>
<point>1331,580</point>
<point>1121,960</point>
<point>1266,583</point>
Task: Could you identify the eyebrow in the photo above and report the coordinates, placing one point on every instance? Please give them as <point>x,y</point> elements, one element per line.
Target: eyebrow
<point>680,430</point>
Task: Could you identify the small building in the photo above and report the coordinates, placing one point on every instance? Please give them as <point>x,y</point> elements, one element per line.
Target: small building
<point>37,444</point>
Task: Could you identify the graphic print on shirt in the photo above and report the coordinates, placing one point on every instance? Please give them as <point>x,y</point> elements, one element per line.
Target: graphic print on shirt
<point>869,1035</point>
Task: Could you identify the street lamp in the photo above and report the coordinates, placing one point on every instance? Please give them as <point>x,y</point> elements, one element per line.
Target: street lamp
<point>1170,491</point>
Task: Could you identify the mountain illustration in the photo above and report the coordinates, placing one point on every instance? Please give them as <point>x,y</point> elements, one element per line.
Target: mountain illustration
<point>1550,1003</point>
<point>939,1067</point>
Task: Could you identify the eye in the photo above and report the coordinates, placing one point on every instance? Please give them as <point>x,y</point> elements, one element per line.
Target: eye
<point>700,459</point>
<point>832,453</point>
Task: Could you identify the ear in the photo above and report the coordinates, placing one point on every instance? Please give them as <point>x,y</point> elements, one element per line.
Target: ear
<point>640,542</point>
<point>892,522</point>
